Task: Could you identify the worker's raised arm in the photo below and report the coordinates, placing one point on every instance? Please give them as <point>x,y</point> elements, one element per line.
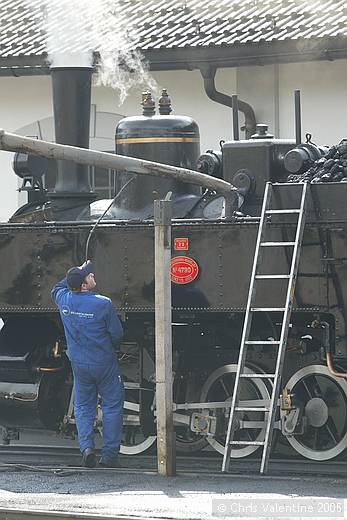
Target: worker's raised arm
<point>59,290</point>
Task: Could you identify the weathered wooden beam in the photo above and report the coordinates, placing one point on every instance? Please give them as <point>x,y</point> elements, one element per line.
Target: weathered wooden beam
<point>163,339</point>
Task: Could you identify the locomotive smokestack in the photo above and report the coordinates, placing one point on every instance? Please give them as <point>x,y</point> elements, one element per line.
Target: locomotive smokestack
<point>71,103</point>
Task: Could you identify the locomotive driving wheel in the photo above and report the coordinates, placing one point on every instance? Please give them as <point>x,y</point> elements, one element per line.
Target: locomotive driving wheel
<point>322,398</point>
<point>186,388</point>
<point>219,387</point>
<point>137,435</point>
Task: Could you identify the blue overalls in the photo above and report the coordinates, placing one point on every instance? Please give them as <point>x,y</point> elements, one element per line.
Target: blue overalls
<point>91,328</point>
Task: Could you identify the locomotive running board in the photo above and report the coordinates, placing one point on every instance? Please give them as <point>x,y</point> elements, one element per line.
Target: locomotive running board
<point>261,244</point>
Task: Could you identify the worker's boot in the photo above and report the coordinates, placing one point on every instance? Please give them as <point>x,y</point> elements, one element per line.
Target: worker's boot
<point>89,458</point>
<point>109,462</point>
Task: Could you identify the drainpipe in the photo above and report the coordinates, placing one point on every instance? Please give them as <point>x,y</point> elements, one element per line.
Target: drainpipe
<point>208,74</point>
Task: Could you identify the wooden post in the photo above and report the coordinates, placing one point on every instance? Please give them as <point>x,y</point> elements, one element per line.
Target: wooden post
<point>163,339</point>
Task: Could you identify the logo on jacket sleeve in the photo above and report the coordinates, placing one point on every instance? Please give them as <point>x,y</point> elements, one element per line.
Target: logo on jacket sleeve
<point>65,310</point>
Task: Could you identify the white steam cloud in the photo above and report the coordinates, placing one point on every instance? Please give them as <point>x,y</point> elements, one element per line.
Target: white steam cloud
<point>77,28</point>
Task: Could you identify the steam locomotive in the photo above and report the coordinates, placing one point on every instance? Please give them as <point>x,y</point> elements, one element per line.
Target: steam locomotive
<point>211,265</point>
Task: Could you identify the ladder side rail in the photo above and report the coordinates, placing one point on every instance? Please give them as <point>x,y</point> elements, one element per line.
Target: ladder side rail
<point>284,330</point>
<point>246,328</point>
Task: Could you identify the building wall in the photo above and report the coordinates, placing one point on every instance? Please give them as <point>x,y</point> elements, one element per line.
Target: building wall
<point>269,89</point>
<point>323,85</point>
<point>22,101</point>
<point>323,88</point>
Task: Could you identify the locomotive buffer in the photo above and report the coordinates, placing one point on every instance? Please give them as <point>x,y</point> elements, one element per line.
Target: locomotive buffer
<point>270,410</point>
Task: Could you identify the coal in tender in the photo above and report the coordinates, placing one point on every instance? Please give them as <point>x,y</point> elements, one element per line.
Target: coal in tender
<point>330,168</point>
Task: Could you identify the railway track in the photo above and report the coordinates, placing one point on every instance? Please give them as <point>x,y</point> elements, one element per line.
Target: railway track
<point>67,459</point>
<point>23,514</point>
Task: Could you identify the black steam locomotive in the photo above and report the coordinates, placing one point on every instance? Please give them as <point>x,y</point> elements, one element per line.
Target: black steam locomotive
<point>212,258</point>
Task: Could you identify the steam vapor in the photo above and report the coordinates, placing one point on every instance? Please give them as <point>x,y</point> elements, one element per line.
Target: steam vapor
<point>76,29</point>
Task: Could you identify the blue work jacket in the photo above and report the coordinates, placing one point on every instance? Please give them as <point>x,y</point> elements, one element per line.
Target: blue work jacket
<point>91,324</point>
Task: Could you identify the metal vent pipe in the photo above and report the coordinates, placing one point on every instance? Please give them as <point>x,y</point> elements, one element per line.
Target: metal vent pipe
<point>208,74</point>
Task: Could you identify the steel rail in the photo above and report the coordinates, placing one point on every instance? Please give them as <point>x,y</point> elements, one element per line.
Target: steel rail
<point>204,463</point>
<point>39,514</point>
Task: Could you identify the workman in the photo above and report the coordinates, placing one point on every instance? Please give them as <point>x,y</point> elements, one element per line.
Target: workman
<point>92,331</point>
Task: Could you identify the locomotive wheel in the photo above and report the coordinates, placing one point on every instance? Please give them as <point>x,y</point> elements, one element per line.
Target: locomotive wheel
<point>135,439</point>
<point>324,401</point>
<point>187,388</point>
<point>188,441</point>
<point>219,387</point>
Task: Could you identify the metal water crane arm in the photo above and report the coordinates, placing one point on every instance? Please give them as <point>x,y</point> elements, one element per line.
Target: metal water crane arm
<point>17,143</point>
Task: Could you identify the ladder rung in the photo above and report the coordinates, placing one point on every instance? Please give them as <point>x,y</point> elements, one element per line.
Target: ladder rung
<point>290,184</point>
<point>281,211</point>
<point>267,309</point>
<point>251,409</point>
<point>268,342</point>
<point>276,244</point>
<point>271,276</point>
<point>261,376</point>
<point>248,443</point>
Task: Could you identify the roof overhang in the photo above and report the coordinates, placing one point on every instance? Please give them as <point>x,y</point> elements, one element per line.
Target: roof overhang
<point>190,58</point>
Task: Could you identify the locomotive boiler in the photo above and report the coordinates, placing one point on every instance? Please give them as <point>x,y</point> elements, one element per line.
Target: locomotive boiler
<point>212,256</point>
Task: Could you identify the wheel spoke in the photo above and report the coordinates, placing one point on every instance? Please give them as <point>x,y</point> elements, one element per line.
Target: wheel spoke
<point>331,429</point>
<point>312,392</point>
<point>225,388</point>
<point>315,439</point>
<point>307,389</point>
<point>316,387</point>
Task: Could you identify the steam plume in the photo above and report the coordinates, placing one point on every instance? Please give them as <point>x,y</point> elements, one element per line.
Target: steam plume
<point>78,28</point>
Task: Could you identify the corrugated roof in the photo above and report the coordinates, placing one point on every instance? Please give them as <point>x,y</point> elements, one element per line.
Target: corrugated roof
<point>172,24</point>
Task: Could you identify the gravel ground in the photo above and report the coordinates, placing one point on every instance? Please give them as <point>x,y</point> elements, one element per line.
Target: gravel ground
<point>134,491</point>
<point>148,495</point>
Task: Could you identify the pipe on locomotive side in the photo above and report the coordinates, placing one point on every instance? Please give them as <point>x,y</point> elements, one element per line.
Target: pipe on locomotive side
<point>297,109</point>
<point>17,143</point>
<point>235,103</point>
<point>332,370</point>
